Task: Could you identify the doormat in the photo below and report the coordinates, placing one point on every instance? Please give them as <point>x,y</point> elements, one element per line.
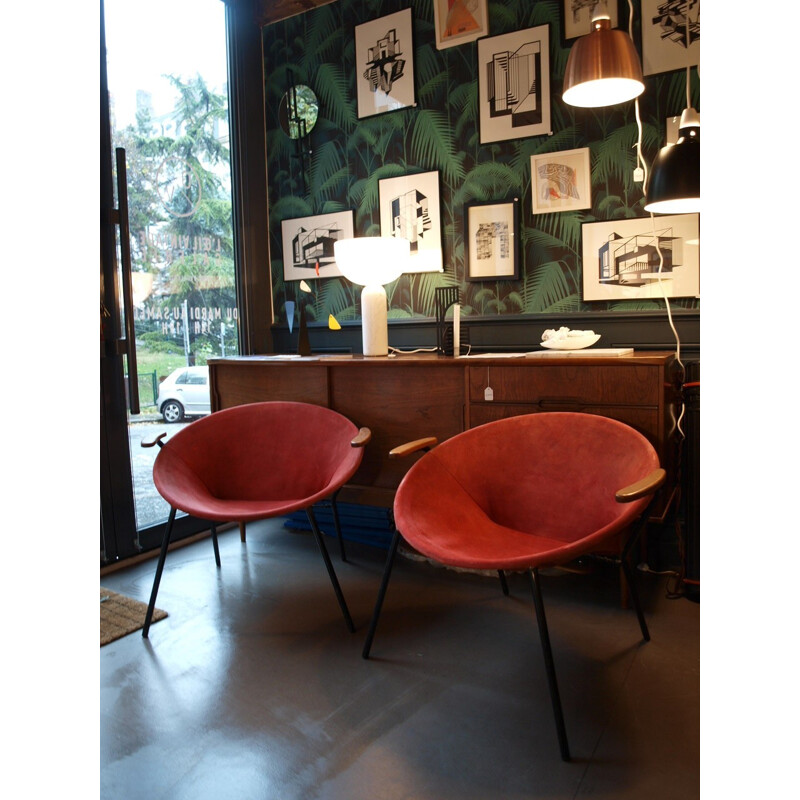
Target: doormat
<point>120,615</point>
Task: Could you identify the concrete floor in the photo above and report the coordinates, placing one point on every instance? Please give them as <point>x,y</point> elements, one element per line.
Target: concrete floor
<point>253,688</point>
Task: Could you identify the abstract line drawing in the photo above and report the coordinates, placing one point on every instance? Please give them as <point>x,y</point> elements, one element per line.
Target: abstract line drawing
<point>410,209</point>
<point>514,87</point>
<point>514,84</point>
<point>671,18</point>
<point>308,244</point>
<point>384,65</point>
<point>315,247</point>
<point>634,260</point>
<point>670,35</point>
<point>411,217</point>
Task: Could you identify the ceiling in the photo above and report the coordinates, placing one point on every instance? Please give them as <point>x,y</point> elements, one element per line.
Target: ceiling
<point>275,10</point>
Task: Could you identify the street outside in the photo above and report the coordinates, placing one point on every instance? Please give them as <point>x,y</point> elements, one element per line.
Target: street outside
<point>151,509</point>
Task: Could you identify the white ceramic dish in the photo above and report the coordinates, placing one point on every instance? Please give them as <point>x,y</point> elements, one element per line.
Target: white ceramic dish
<point>571,342</point>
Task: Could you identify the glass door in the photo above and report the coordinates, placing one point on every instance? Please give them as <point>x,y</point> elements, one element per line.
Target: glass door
<point>173,302</point>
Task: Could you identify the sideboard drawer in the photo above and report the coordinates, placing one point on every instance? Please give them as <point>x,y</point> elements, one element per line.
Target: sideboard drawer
<point>565,385</point>
<point>644,420</point>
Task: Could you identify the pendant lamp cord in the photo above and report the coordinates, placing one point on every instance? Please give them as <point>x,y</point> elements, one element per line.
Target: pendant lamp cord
<point>676,421</point>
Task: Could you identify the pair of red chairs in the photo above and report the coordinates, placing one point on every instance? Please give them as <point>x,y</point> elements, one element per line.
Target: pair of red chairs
<point>518,494</point>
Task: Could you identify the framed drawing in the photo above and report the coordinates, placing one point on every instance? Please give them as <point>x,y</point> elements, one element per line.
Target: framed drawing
<point>491,241</point>
<point>665,35</point>
<point>308,244</point>
<point>576,17</point>
<point>459,21</point>
<point>621,258</point>
<point>410,210</point>
<point>561,181</point>
<point>506,63</point>
<point>385,64</point>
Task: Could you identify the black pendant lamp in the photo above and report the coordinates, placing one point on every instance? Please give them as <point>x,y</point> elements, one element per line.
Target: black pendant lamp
<point>674,186</point>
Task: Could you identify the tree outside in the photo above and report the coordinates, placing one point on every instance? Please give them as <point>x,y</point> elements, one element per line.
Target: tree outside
<point>180,219</point>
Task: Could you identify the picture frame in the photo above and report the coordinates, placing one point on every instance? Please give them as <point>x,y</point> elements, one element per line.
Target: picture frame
<point>507,60</point>
<point>308,244</point>
<point>410,208</point>
<point>491,240</point>
<point>664,38</point>
<point>384,62</point>
<point>459,21</point>
<point>561,181</point>
<point>620,259</point>
<point>576,18</point>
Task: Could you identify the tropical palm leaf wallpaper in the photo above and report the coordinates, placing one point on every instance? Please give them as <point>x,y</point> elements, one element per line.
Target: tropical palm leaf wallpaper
<point>349,156</point>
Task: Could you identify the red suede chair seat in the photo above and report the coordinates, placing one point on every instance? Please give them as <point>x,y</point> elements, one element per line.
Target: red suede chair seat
<point>518,493</point>
<point>293,455</point>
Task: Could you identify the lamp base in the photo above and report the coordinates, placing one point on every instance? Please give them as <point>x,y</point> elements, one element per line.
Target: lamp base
<point>374,321</point>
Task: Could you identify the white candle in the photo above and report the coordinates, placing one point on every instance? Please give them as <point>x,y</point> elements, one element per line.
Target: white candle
<point>456,330</point>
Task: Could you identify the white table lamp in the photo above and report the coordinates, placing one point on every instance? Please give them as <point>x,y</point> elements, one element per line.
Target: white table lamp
<point>372,261</point>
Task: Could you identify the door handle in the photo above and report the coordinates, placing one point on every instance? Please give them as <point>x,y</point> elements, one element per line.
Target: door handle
<point>128,342</point>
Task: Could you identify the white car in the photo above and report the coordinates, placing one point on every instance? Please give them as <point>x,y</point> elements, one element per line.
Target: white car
<point>184,393</point>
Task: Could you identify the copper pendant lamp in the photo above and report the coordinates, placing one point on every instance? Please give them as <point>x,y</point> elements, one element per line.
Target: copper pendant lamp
<point>603,67</point>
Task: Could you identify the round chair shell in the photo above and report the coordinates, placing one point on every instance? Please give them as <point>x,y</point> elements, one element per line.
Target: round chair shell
<point>256,461</point>
<point>525,491</point>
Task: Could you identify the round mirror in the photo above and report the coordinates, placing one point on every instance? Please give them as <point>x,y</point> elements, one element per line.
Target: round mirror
<point>298,111</point>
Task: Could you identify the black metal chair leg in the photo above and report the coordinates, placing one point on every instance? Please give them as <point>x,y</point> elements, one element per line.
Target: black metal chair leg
<point>338,527</point>
<point>630,577</point>
<point>544,636</point>
<point>503,581</point>
<point>216,543</point>
<point>329,566</point>
<point>387,572</point>
<point>159,569</point>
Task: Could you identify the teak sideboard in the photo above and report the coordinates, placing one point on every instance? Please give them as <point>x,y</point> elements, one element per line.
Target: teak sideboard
<point>408,397</point>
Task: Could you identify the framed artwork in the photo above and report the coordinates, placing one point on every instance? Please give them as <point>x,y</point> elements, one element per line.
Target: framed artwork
<point>505,64</point>
<point>621,258</point>
<point>410,210</point>
<point>561,181</point>
<point>576,17</point>
<point>308,244</point>
<point>491,241</point>
<point>459,21</point>
<point>665,36</point>
<point>385,64</point>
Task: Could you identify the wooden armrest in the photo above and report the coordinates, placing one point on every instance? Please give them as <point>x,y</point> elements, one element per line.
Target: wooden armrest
<point>361,438</point>
<point>655,480</point>
<point>154,442</point>
<point>412,447</point>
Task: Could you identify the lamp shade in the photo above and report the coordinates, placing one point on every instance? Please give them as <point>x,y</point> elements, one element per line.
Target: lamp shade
<point>372,260</point>
<point>674,185</point>
<point>603,68</point>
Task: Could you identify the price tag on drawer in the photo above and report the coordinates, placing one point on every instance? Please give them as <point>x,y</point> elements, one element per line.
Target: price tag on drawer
<point>488,395</point>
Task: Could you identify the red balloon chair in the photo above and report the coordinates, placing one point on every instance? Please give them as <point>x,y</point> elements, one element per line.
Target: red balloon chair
<point>523,493</point>
<point>253,462</point>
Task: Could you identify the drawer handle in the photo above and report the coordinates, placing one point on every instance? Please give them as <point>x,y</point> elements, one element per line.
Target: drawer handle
<point>560,403</point>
